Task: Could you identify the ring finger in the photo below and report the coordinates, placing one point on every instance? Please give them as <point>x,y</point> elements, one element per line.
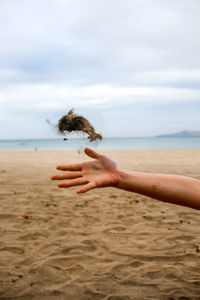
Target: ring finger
<point>73,182</point>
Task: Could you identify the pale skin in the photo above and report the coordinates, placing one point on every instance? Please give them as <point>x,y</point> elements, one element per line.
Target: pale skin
<point>103,172</point>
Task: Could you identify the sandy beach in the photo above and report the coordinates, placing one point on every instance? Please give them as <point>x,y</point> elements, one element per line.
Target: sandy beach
<point>106,244</point>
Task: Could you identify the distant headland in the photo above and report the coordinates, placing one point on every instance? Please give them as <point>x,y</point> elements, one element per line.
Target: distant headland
<point>184,133</point>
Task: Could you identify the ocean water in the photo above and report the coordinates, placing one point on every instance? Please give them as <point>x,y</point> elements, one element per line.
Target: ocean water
<point>105,144</point>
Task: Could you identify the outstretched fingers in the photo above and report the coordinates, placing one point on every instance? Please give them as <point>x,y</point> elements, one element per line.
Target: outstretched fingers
<point>73,182</point>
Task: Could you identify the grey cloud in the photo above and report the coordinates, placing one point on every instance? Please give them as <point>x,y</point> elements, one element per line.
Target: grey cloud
<point>99,41</point>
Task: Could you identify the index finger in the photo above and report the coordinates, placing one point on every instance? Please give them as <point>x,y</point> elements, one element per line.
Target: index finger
<point>77,167</point>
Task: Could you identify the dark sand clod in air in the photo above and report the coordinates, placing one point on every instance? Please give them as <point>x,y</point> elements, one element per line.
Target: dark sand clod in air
<point>106,244</point>
<point>77,123</point>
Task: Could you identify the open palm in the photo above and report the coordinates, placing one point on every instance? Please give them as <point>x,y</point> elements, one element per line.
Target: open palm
<point>101,172</point>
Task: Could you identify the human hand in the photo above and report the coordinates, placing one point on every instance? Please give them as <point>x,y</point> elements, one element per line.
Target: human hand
<point>101,172</point>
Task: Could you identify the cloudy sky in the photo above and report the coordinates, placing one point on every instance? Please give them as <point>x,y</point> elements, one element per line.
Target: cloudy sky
<point>132,67</point>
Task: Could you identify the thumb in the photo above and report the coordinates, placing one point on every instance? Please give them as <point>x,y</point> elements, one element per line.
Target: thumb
<point>91,153</point>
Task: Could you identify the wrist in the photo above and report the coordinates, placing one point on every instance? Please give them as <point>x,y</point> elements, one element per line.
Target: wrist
<point>128,180</point>
<point>122,176</point>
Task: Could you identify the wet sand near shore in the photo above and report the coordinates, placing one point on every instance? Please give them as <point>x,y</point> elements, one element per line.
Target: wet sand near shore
<point>106,244</point>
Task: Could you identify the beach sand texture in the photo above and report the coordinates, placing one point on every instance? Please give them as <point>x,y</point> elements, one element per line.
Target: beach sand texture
<point>106,244</point>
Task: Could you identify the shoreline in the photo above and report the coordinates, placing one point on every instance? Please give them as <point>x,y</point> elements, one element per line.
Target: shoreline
<point>112,144</point>
<point>97,150</point>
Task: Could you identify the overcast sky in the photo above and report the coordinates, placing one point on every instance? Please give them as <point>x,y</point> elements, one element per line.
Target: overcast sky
<point>132,67</point>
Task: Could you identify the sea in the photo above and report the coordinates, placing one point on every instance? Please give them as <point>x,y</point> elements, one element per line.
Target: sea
<point>79,144</point>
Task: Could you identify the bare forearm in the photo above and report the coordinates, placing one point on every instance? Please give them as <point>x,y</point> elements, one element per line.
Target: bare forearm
<point>169,188</point>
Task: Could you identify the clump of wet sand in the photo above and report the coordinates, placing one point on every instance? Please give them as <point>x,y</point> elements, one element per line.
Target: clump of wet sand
<point>72,122</point>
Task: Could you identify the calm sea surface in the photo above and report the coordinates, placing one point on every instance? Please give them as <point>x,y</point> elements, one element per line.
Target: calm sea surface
<point>105,144</point>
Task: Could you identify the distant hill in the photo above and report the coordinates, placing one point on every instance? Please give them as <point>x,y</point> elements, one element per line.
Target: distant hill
<point>184,133</point>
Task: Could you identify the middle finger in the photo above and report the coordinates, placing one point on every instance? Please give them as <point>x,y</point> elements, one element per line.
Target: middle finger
<point>69,175</point>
